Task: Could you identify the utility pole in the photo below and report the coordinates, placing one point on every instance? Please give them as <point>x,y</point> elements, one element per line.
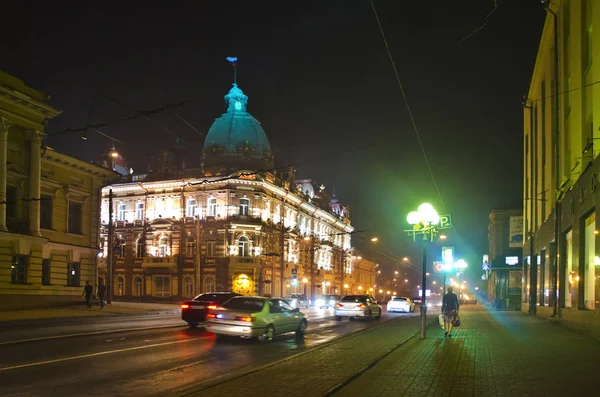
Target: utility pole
<point>282,245</point>
<point>312,267</point>
<point>111,242</point>
<point>198,252</point>
<point>423,287</point>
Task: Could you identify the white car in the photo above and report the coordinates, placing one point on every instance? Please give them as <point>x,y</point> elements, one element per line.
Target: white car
<point>398,304</point>
<point>353,306</point>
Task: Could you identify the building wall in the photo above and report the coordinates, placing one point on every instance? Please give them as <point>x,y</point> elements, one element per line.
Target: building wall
<point>237,224</point>
<point>576,273</point>
<point>42,261</point>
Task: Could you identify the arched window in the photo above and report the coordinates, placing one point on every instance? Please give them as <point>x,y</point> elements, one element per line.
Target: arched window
<point>163,245</point>
<point>119,286</point>
<point>244,206</point>
<point>209,284</point>
<point>138,286</point>
<point>140,247</point>
<point>191,207</point>
<point>189,246</point>
<point>188,287</point>
<point>212,206</point>
<point>243,246</point>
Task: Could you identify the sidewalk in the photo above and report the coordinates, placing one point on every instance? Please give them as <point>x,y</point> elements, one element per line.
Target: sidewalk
<point>76,312</point>
<point>491,354</point>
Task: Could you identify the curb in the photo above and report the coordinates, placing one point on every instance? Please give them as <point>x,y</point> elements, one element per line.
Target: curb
<point>79,319</point>
<point>367,367</point>
<point>209,384</point>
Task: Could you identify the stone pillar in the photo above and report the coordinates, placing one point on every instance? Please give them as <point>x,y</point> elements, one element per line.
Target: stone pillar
<point>35,175</point>
<point>3,161</point>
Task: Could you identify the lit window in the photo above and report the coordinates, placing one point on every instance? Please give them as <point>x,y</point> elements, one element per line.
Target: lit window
<point>212,206</point>
<point>138,285</point>
<point>139,211</point>
<point>188,287</point>
<point>162,246</point>
<point>243,246</point>
<point>140,247</point>
<point>244,206</point>
<point>122,208</point>
<point>191,207</point>
<point>119,286</point>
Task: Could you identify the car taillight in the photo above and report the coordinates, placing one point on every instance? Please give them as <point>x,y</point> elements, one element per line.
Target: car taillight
<point>339,305</point>
<point>362,306</point>
<point>213,307</point>
<point>246,319</point>
<point>211,315</point>
<point>185,306</point>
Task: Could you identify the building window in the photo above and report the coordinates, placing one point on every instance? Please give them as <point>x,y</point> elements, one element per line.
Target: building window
<point>212,206</point>
<point>138,286</point>
<point>163,245</point>
<point>191,207</point>
<point>121,246</point>
<point>210,249</point>
<point>244,206</point>
<point>190,246</point>
<point>571,276</point>
<point>590,262</point>
<point>140,247</point>
<point>121,213</point>
<point>139,211</point>
<point>188,287</point>
<point>75,217</point>
<point>73,274</point>
<point>46,212</point>
<point>243,246</point>
<point>46,271</point>
<point>19,268</point>
<point>12,201</point>
<point>119,286</point>
<point>162,286</point>
<point>209,284</point>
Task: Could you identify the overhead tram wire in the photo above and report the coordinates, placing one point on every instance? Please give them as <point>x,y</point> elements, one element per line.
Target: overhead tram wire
<point>408,108</point>
<point>483,24</point>
<point>144,114</point>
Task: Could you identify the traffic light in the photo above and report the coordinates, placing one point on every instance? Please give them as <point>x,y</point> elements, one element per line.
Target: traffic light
<point>294,281</point>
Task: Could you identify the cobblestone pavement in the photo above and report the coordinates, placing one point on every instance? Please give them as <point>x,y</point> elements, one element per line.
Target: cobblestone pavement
<point>491,354</point>
<point>317,371</point>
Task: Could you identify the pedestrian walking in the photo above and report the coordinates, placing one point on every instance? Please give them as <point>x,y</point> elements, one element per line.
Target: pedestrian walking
<point>450,309</point>
<point>101,292</point>
<point>88,291</point>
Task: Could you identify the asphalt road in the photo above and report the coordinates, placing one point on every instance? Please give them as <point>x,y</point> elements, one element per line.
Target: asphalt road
<point>85,359</point>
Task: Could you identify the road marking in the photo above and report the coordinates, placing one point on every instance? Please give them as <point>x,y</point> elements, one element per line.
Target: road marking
<point>58,360</point>
<point>10,342</point>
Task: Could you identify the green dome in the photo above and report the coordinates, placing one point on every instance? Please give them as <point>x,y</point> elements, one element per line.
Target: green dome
<point>236,139</point>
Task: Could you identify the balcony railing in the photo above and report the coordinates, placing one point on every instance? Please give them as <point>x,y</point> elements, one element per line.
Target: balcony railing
<point>16,225</point>
<point>159,261</point>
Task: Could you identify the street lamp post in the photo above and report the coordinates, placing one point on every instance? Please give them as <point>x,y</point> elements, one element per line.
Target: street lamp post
<point>424,222</point>
<point>461,265</point>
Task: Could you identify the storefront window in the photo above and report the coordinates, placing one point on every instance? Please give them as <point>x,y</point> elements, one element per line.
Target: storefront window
<point>526,270</point>
<point>590,255</point>
<point>571,286</point>
<point>541,288</point>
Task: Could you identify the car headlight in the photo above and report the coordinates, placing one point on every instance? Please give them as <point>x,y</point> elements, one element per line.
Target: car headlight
<point>332,302</point>
<point>320,302</point>
<point>294,302</point>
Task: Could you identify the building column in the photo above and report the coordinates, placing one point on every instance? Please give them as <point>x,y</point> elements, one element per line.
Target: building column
<point>3,161</point>
<point>35,175</point>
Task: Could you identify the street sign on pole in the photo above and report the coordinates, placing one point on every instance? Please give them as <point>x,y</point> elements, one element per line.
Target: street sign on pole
<point>445,222</point>
<point>438,267</point>
<point>294,271</point>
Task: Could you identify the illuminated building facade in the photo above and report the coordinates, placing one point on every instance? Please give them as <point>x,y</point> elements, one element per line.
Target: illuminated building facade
<point>234,224</point>
<point>561,262</point>
<point>48,206</point>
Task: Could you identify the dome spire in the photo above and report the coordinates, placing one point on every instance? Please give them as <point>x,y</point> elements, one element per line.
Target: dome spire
<point>236,100</point>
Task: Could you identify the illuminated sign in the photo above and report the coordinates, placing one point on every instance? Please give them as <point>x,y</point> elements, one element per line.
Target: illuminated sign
<point>512,260</point>
<point>427,292</point>
<point>448,254</point>
<point>486,258</point>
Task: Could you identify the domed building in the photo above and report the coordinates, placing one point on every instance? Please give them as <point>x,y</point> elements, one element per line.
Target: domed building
<point>256,233</point>
<point>236,140</point>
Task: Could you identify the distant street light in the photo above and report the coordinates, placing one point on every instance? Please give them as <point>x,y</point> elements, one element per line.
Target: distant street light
<point>405,259</point>
<point>374,239</point>
<point>443,237</point>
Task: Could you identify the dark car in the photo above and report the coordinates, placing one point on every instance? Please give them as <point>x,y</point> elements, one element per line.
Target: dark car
<point>194,312</point>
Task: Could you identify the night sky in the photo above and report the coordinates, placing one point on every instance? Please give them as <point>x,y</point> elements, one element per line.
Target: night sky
<point>319,80</point>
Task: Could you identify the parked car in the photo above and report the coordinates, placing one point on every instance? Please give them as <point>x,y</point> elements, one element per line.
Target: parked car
<point>327,301</point>
<point>353,306</point>
<point>256,317</point>
<point>400,304</point>
<point>194,311</point>
<point>298,300</point>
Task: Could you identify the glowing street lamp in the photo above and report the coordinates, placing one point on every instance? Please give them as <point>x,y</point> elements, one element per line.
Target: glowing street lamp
<point>375,239</point>
<point>424,222</point>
